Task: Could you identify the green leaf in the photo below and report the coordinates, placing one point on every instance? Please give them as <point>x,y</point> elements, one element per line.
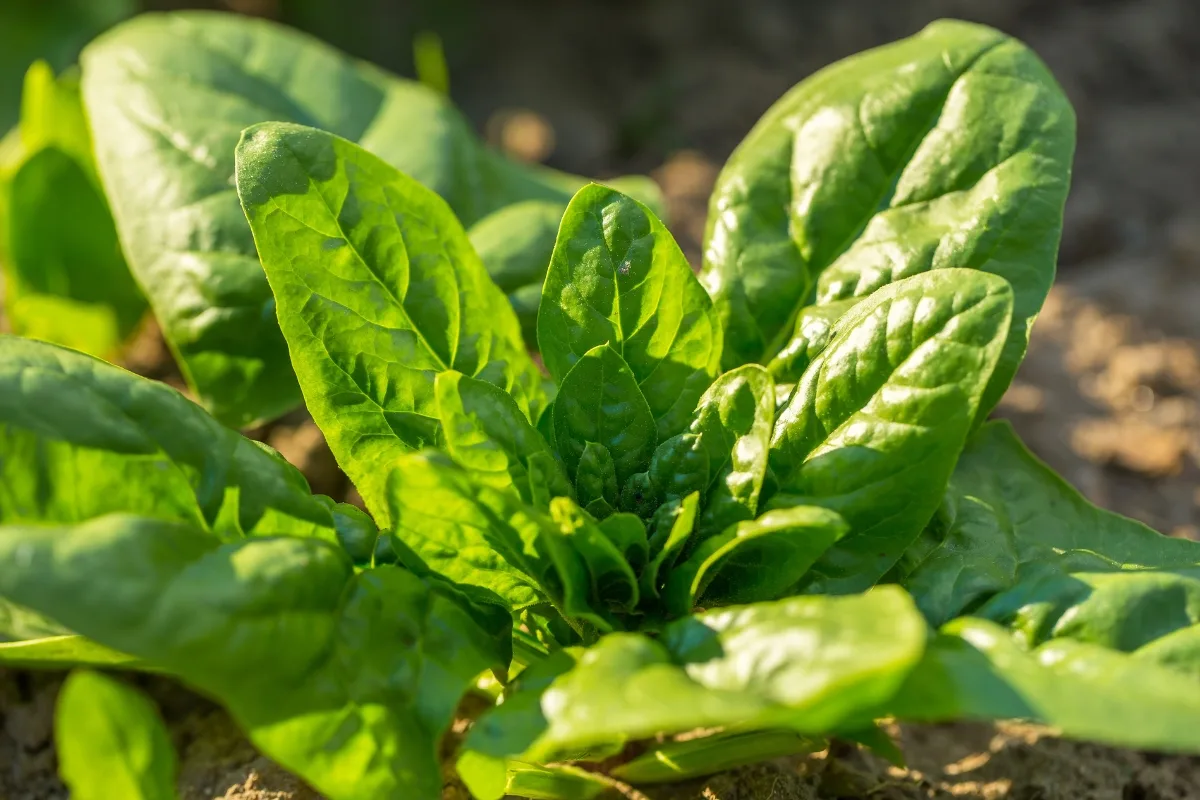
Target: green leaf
<point>66,280</point>
<point>1006,516</point>
<point>80,438</point>
<point>679,467</point>
<point>627,532</point>
<point>807,664</point>
<point>487,434</point>
<point>600,401</point>
<point>951,148</point>
<point>1118,610</point>
<point>168,96</point>
<point>752,561</point>
<point>708,755</point>
<point>974,670</point>
<point>614,585</point>
<point>347,679</point>
<point>61,651</point>
<point>673,526</point>
<point>734,420</point>
<point>1178,651</point>
<point>596,476</point>
<point>875,426</point>
<point>617,277</point>
<point>111,741</point>
<point>378,290</point>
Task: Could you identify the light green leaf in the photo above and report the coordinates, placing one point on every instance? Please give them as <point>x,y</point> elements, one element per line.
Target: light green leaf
<point>734,420</point>
<point>600,401</point>
<point>378,291</point>
<point>300,648</point>
<point>814,327</point>
<point>61,651</point>
<point>974,670</point>
<point>168,96</point>
<point>617,277</point>
<point>876,424</point>
<point>951,148</point>
<point>111,741</point>
<point>486,433</point>
<point>708,755</point>
<point>627,532</point>
<point>614,585</point>
<point>65,278</point>
<point>1005,516</point>
<point>807,664</point>
<point>752,561</point>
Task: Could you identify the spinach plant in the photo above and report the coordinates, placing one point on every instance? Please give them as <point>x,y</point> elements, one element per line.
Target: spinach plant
<point>648,561</point>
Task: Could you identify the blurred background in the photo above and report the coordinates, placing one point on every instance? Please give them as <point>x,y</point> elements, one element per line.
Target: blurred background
<point>1110,393</point>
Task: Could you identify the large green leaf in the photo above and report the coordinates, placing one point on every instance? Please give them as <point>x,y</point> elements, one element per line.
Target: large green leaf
<point>65,279</point>
<point>80,438</point>
<point>378,290</point>
<point>347,679</point>
<point>111,741</point>
<point>168,96</point>
<point>734,420</point>
<point>974,670</point>
<point>806,663</point>
<point>600,401</point>
<point>951,148</point>
<point>875,426</point>
<point>1006,516</point>
<point>617,277</point>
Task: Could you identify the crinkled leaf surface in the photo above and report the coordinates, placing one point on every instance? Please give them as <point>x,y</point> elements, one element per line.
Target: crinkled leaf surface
<point>346,679</point>
<point>951,148</point>
<point>65,278</point>
<point>755,560</point>
<point>600,401</point>
<point>168,96</point>
<point>111,741</point>
<point>734,421</point>
<point>1005,516</point>
<point>814,326</point>
<point>975,670</point>
<point>876,424</point>
<point>378,290</point>
<point>617,277</point>
<point>805,663</point>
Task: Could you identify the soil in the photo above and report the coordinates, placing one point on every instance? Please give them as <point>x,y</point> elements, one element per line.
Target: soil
<point>1109,394</point>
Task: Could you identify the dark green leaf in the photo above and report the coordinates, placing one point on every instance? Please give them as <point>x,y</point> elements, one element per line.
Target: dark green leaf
<point>614,584</point>
<point>168,96</point>
<point>627,532</point>
<point>734,420</point>
<point>673,526</point>
<point>974,670</point>
<point>752,561</point>
<point>708,755</point>
<point>378,291</point>
<point>617,277</point>
<point>875,426</point>
<point>599,401</point>
<point>1005,516</point>
<point>346,679</point>
<point>951,148</point>
<point>679,467</point>
<point>111,741</point>
<point>596,476</point>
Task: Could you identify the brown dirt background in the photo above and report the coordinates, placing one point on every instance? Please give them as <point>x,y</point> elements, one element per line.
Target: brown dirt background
<point>1109,394</point>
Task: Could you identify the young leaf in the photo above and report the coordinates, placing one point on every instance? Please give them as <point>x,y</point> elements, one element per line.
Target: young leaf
<point>808,664</point>
<point>600,401</point>
<point>617,277</point>
<point>111,741</point>
<point>168,96</point>
<point>1007,515</point>
<point>876,424</point>
<point>753,561</point>
<point>974,670</point>
<point>66,281</point>
<point>486,434</point>
<point>299,647</point>
<point>596,476</point>
<point>378,290</point>
<point>613,583</point>
<point>951,148</point>
<point>673,526</point>
<point>679,467</point>
<point>734,421</point>
<point>80,438</point>
<point>627,532</point>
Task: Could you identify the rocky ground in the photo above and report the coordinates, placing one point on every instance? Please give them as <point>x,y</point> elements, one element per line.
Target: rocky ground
<point>1109,394</point>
